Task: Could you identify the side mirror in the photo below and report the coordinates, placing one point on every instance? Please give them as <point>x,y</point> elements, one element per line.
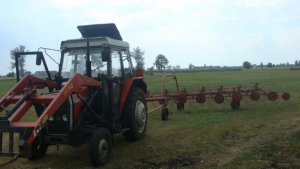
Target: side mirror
<point>105,55</point>
<point>38,60</point>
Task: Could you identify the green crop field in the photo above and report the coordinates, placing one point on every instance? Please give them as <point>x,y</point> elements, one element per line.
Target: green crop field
<point>260,135</point>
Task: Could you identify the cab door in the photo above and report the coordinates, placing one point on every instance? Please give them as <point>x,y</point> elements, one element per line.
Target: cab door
<point>116,79</point>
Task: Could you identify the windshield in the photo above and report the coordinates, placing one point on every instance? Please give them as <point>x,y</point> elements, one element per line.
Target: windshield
<point>75,62</point>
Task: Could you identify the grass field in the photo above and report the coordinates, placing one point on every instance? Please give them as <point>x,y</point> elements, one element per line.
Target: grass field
<point>260,135</point>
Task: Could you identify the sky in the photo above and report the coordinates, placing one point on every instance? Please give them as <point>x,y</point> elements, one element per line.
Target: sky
<point>198,32</point>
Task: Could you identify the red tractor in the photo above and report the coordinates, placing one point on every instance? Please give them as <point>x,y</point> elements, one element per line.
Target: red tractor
<point>95,93</point>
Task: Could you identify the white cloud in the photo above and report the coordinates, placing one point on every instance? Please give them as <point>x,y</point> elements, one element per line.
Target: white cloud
<point>261,3</point>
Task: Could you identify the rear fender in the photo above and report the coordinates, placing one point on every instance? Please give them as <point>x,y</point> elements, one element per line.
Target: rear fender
<point>128,84</point>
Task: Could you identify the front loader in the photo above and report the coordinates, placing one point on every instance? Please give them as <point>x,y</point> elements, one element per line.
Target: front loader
<point>94,94</point>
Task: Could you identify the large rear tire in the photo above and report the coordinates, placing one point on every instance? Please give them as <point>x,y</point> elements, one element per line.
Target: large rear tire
<point>135,113</point>
<point>100,148</point>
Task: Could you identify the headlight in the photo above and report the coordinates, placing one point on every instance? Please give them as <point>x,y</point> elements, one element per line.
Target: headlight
<point>64,117</point>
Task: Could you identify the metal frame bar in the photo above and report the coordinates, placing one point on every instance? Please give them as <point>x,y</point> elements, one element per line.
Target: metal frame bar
<point>182,96</point>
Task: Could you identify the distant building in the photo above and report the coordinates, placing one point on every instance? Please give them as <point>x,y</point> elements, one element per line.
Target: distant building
<point>43,74</point>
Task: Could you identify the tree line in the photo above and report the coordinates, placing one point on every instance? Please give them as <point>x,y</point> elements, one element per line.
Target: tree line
<point>161,62</point>
<point>248,65</point>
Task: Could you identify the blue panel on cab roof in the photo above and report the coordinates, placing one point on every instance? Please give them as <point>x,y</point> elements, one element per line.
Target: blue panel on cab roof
<point>98,30</point>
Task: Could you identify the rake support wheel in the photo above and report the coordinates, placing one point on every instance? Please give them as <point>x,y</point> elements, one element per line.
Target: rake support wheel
<point>272,96</point>
<point>237,96</point>
<point>200,98</point>
<point>255,96</point>
<point>219,98</point>
<point>286,96</point>
<point>164,113</point>
<point>235,104</point>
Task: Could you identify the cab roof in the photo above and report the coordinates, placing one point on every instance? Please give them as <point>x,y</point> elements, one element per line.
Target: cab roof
<point>96,41</point>
<point>100,30</point>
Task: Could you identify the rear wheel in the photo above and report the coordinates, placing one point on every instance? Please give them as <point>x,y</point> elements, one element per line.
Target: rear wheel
<point>135,112</point>
<point>100,148</point>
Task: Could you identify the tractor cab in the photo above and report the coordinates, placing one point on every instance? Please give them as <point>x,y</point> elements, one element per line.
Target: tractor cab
<point>102,55</point>
<point>96,57</point>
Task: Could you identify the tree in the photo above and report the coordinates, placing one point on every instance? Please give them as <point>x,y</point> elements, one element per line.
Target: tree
<point>20,48</point>
<point>138,55</point>
<point>161,62</point>
<point>191,66</point>
<point>27,73</point>
<point>10,74</point>
<point>247,65</point>
<point>269,65</point>
<point>151,68</point>
<point>261,64</point>
<point>296,63</point>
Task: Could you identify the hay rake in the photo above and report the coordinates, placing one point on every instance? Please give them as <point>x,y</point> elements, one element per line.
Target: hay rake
<point>201,95</point>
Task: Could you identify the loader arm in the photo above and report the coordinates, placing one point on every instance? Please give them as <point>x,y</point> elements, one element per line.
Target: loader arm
<point>26,83</point>
<point>74,85</point>
<point>23,95</point>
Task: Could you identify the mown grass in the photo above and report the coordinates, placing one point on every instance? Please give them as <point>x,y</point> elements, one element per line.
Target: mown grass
<point>5,85</point>
<point>260,135</point>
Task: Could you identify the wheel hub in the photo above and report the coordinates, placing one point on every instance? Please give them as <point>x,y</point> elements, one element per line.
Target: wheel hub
<point>141,115</point>
<point>103,148</point>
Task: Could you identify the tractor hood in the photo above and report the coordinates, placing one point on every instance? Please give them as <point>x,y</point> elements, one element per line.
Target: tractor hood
<point>98,30</point>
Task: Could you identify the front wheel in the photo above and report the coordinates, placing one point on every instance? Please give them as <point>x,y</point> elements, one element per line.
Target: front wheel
<point>100,148</point>
<point>135,113</point>
<point>38,148</point>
